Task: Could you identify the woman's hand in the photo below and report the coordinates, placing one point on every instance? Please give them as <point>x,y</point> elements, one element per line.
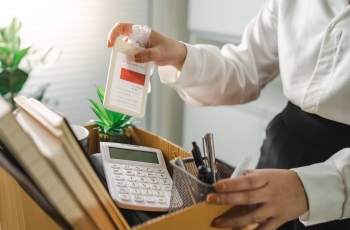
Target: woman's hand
<point>278,194</point>
<point>162,50</point>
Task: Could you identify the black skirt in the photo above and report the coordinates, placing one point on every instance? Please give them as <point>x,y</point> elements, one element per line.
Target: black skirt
<point>295,138</point>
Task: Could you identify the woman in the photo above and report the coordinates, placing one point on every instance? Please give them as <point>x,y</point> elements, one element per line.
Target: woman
<point>304,170</point>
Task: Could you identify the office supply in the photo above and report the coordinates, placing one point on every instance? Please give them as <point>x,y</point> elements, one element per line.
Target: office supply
<point>58,121</point>
<point>24,149</point>
<point>197,155</point>
<point>209,147</point>
<point>189,189</point>
<point>57,143</point>
<point>127,82</point>
<point>137,176</point>
<point>20,211</point>
<point>204,172</point>
<point>242,167</point>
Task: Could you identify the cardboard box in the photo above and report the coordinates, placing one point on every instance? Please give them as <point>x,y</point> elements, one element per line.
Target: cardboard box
<point>198,216</point>
<point>19,211</point>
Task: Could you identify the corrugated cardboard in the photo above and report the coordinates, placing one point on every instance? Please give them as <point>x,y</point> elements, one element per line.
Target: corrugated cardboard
<point>17,209</point>
<point>198,216</point>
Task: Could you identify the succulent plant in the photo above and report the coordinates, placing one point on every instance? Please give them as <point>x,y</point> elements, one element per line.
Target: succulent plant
<point>111,123</point>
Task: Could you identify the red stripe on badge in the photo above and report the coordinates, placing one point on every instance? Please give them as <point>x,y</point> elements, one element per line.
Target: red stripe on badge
<point>132,76</point>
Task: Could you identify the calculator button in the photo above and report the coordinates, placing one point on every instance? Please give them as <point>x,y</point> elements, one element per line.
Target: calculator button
<point>135,191</point>
<point>122,190</point>
<point>139,173</point>
<point>158,193</point>
<point>138,198</point>
<point>150,175</point>
<point>120,183</point>
<point>167,187</point>
<point>131,178</point>
<point>124,197</point>
<point>119,177</point>
<point>152,180</point>
<point>127,167</point>
<point>142,179</point>
<point>149,199</point>
<point>137,168</point>
<point>161,176</point>
<point>148,169</point>
<point>117,171</point>
<point>133,185</point>
<point>164,181</point>
<point>159,171</point>
<point>155,186</point>
<point>161,200</point>
<point>147,192</point>
<point>144,185</point>
<point>129,172</point>
<point>115,166</point>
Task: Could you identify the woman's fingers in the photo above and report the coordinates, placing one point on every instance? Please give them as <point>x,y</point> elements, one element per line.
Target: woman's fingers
<point>162,50</point>
<point>251,180</point>
<point>237,198</point>
<point>278,193</point>
<point>120,28</point>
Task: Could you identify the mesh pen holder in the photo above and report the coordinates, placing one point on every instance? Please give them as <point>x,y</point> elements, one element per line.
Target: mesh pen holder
<point>187,189</point>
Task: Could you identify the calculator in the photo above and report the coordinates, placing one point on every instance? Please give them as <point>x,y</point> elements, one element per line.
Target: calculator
<point>136,176</point>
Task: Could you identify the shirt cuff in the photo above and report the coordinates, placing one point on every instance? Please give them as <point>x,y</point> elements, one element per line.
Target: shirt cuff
<point>324,188</point>
<point>190,71</point>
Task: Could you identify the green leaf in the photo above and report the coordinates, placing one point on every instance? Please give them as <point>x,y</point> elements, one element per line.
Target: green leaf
<point>101,117</point>
<point>111,122</point>
<point>98,107</point>
<point>5,53</point>
<point>100,93</point>
<point>17,79</point>
<point>11,32</point>
<point>4,82</point>
<point>5,50</point>
<point>18,56</point>
<point>114,116</point>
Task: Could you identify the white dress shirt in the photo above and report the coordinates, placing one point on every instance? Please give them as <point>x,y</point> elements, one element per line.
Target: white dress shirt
<point>308,44</point>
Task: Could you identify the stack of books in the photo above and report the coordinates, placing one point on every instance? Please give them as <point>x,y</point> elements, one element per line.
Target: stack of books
<point>38,148</point>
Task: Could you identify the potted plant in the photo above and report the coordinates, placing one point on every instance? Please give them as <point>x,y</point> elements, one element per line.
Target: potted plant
<point>17,63</point>
<point>112,126</point>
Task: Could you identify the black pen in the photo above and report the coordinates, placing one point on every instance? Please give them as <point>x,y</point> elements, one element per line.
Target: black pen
<point>197,155</point>
<point>204,172</point>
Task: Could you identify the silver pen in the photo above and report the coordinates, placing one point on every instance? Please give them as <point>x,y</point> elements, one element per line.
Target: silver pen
<point>210,151</point>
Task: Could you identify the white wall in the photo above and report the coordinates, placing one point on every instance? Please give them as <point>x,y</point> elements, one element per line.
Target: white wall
<point>238,130</point>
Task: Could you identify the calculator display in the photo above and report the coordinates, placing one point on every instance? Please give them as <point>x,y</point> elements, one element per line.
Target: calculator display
<point>133,155</point>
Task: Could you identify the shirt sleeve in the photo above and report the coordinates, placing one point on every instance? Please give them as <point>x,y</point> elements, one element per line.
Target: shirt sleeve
<point>234,74</point>
<point>327,186</point>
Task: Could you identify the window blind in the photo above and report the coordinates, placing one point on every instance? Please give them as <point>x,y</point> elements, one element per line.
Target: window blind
<point>79,29</point>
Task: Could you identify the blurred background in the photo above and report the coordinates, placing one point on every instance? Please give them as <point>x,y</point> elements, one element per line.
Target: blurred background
<point>79,29</point>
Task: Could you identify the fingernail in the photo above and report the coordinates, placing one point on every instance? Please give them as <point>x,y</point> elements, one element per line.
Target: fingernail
<point>108,43</point>
<point>220,187</point>
<point>212,199</point>
<point>138,57</point>
<point>218,223</point>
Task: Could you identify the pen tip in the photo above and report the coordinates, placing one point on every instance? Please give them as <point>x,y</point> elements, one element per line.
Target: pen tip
<point>194,144</point>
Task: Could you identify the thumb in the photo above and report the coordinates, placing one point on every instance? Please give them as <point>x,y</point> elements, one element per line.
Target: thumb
<point>145,55</point>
